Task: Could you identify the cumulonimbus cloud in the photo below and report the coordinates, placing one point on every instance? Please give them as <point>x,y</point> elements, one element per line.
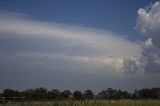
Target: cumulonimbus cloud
<point>103,47</point>
<point>148,23</point>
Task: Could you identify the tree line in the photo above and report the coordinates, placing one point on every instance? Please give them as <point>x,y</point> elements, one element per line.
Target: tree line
<point>55,94</point>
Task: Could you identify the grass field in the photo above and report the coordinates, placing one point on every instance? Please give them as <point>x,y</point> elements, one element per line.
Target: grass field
<point>89,103</point>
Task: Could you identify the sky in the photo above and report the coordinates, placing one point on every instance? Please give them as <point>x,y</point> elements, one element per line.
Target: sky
<point>79,44</point>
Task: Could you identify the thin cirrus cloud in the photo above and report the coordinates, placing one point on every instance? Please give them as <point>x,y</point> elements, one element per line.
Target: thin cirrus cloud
<point>77,44</point>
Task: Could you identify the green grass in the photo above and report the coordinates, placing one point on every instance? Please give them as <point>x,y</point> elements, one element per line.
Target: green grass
<point>89,103</point>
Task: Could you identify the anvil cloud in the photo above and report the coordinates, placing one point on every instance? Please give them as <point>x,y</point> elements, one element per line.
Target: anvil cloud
<point>93,45</point>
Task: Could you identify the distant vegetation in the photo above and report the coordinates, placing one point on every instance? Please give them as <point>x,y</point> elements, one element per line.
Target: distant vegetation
<point>109,97</point>
<point>42,94</point>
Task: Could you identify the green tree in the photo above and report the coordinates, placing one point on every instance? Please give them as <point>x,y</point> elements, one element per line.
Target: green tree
<point>135,95</point>
<point>11,93</point>
<point>40,93</point>
<point>29,94</point>
<point>145,93</point>
<point>65,94</point>
<point>155,93</point>
<point>103,94</point>
<point>54,94</point>
<point>1,95</point>
<point>77,95</point>
<point>88,94</point>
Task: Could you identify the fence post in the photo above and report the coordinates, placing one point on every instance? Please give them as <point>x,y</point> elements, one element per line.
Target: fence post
<point>3,101</point>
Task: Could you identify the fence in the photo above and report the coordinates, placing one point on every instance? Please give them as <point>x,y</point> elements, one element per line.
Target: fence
<point>8,99</point>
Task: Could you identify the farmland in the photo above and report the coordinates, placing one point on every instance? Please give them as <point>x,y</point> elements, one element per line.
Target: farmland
<point>86,103</point>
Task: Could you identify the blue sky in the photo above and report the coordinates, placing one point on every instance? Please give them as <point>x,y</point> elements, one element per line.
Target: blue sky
<point>76,44</point>
<point>119,16</point>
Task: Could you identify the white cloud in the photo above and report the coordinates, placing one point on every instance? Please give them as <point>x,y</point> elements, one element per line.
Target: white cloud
<point>148,21</point>
<point>134,65</point>
<point>148,43</point>
<point>108,49</point>
<point>100,40</point>
<point>151,52</point>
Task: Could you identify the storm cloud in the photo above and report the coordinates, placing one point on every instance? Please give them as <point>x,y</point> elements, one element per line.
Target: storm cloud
<point>148,23</point>
<point>37,39</point>
<point>57,55</point>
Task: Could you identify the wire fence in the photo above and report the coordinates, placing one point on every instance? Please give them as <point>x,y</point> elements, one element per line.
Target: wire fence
<point>5,100</point>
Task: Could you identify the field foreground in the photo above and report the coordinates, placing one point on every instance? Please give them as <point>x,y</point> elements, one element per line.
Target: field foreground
<point>89,103</point>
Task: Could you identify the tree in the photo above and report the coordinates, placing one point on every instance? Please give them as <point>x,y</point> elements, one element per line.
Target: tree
<point>1,95</point>
<point>155,93</point>
<point>102,94</point>
<point>54,94</point>
<point>145,93</point>
<point>77,95</point>
<point>114,94</point>
<point>65,94</point>
<point>107,94</point>
<point>11,93</point>
<point>88,94</point>
<point>135,94</point>
<point>126,95</point>
<point>40,93</point>
<point>29,94</point>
